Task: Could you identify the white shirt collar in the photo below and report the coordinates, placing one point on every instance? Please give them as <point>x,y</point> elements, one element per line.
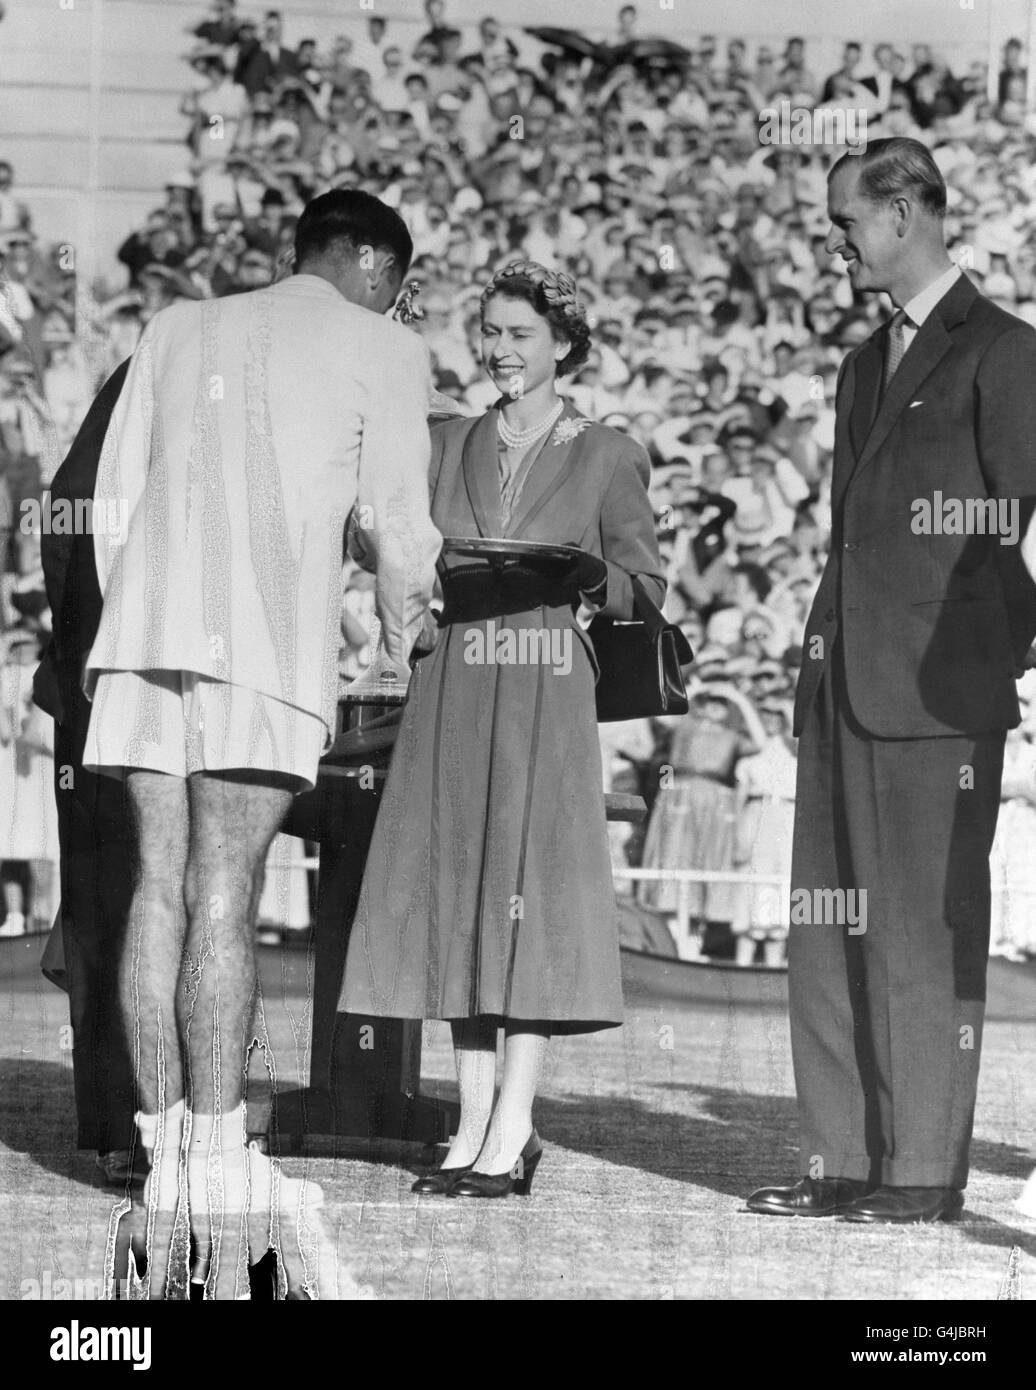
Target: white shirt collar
<point>918,308</point>
<point>311,283</point>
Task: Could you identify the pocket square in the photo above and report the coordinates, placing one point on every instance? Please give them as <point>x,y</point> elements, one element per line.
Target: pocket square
<point>913,403</point>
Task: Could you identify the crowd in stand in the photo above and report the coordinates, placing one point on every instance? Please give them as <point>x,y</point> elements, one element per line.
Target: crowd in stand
<point>719,324</point>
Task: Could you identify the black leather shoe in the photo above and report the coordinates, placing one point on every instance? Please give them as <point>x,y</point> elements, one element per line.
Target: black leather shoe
<point>907,1204</point>
<point>438,1184</point>
<point>808,1197</point>
<point>517,1180</point>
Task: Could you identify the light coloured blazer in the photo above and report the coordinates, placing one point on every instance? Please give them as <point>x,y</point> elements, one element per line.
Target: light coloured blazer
<point>247,429</point>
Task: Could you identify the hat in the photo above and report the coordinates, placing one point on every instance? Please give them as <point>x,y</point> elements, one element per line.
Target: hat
<point>17,364</point>
<point>20,236</point>
<point>711,655</point>
<point>780,546</point>
<point>205,52</point>
<point>56,329</point>
<point>742,666</point>
<point>738,430</point>
<point>773,705</point>
<point>176,279</point>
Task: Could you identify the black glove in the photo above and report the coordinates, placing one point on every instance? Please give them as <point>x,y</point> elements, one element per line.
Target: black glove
<point>585,576</point>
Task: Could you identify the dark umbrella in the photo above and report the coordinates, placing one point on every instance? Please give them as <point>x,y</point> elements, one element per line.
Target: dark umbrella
<point>572,41</point>
<point>649,51</point>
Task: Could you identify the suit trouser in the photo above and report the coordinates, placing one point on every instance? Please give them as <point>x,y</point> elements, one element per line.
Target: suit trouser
<point>886,1011</point>
<point>98,854</point>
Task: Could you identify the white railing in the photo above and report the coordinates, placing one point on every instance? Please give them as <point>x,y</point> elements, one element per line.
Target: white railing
<point>686,943</point>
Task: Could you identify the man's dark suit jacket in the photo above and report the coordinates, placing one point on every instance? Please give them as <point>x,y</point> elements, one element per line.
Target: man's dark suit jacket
<point>934,628</point>
<point>94,829</point>
<point>68,566</point>
<point>257,71</point>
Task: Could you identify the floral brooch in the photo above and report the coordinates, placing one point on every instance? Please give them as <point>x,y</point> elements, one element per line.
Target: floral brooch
<point>567,430</point>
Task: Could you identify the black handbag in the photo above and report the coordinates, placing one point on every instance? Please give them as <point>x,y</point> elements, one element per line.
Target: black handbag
<point>639,663</point>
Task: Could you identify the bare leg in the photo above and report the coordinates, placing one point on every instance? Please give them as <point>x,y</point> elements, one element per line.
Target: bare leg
<point>240,1201</point>
<point>14,900</point>
<point>150,964</point>
<point>774,952</point>
<point>474,1051</point>
<point>42,871</point>
<point>745,951</point>
<point>525,1047</point>
<point>233,819</point>
<point>148,973</point>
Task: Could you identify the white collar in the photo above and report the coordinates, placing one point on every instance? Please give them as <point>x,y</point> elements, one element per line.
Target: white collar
<point>918,308</point>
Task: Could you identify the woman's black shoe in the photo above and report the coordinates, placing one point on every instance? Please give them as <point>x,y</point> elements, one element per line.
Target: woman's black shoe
<point>518,1180</point>
<point>438,1184</point>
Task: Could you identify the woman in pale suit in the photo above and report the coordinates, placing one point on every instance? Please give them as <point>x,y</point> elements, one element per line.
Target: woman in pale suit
<point>488,895</point>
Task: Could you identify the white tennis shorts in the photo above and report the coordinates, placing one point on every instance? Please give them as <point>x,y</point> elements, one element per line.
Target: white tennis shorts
<point>180,722</point>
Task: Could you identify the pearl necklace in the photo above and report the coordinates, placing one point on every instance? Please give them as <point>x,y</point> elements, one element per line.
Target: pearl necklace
<point>521,439</point>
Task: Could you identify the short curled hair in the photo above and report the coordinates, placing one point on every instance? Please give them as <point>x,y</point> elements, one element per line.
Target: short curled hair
<point>553,296</point>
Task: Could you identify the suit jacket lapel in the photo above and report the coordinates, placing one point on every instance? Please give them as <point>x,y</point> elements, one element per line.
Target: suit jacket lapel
<point>868,367</point>
<point>548,472</point>
<point>482,475</point>
<point>932,343</point>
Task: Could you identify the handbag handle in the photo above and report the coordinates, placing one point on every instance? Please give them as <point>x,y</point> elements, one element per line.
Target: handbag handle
<point>644,609</point>
<point>655,621</point>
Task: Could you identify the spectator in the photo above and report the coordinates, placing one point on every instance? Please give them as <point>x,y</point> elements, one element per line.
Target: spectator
<point>14,214</point>
<point>264,61</point>
<point>215,109</point>
<point>765,817</point>
<point>1013,71</point>
<point>156,244</point>
<point>692,824</point>
<point>369,49</point>
<point>220,28</point>
<point>719,319</point>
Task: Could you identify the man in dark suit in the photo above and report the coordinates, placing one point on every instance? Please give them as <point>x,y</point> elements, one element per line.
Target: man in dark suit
<point>262,63</point>
<point>922,621</point>
<point>94,829</point>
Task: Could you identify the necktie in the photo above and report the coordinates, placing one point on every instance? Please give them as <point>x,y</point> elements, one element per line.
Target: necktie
<point>896,346</point>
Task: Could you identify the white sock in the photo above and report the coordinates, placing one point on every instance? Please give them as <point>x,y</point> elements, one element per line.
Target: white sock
<point>203,1130</point>
<point>147,1125</point>
<point>147,1128</point>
